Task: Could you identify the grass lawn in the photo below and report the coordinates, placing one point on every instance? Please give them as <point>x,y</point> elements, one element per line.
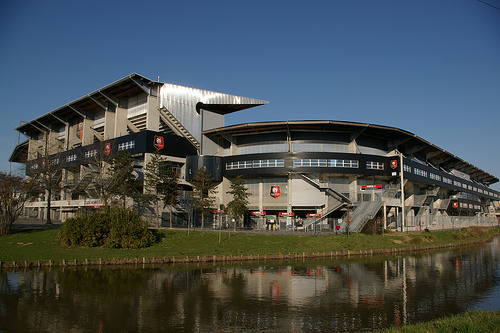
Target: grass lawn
<point>472,321</point>
<point>43,245</point>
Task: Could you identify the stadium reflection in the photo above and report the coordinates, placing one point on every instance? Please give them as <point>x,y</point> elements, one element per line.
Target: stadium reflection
<point>360,294</point>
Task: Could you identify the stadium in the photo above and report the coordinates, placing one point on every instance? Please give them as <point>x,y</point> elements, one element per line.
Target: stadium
<point>302,175</point>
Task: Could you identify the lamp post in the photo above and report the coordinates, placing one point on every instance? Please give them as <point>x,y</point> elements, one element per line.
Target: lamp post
<point>401,176</point>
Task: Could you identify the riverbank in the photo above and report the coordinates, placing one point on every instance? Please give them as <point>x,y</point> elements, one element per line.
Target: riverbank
<point>41,248</point>
<point>471,321</point>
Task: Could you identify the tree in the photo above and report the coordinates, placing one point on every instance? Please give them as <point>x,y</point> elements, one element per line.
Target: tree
<point>112,176</point>
<point>14,192</point>
<point>239,205</point>
<point>122,180</point>
<point>49,180</point>
<point>348,221</point>
<point>162,182</point>
<point>203,192</point>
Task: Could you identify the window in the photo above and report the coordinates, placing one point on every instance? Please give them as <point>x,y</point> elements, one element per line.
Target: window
<point>434,177</point>
<point>374,165</point>
<point>419,172</point>
<point>343,163</point>
<point>308,162</point>
<point>91,153</point>
<point>126,145</point>
<point>71,158</point>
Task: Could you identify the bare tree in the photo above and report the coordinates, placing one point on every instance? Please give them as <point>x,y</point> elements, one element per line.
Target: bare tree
<point>14,192</point>
<point>162,183</point>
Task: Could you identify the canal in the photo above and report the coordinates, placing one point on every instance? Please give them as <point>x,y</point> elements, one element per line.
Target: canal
<point>360,294</point>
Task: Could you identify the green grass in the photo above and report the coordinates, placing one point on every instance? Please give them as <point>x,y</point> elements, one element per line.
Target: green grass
<point>471,321</point>
<point>43,245</point>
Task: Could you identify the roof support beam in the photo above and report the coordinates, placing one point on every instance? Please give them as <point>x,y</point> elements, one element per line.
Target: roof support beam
<point>98,103</point>
<point>78,112</point>
<point>147,91</point>
<point>38,128</point>
<point>62,121</point>
<point>110,99</point>
<point>48,129</point>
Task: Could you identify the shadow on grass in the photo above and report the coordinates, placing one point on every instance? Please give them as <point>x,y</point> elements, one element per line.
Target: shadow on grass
<point>159,236</point>
<point>25,230</point>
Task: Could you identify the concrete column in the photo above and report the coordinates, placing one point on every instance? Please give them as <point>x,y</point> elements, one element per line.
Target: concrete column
<point>353,188</point>
<point>120,122</point>
<point>153,115</point>
<point>109,123</point>
<point>261,193</point>
<point>88,133</point>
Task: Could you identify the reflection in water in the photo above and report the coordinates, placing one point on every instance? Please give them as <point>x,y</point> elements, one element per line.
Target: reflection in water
<point>302,296</point>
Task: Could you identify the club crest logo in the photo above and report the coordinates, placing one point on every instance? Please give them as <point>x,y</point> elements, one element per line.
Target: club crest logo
<point>275,192</point>
<point>159,143</point>
<point>107,148</point>
<point>394,164</point>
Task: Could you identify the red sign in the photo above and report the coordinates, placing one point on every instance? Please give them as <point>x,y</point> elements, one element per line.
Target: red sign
<point>394,164</point>
<point>275,192</point>
<point>313,215</point>
<point>455,204</point>
<point>107,148</point>
<point>218,211</point>
<point>258,213</point>
<point>287,214</point>
<point>79,130</point>
<point>371,187</point>
<point>159,143</point>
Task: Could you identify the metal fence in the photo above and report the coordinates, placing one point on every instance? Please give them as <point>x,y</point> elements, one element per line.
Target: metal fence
<point>417,223</point>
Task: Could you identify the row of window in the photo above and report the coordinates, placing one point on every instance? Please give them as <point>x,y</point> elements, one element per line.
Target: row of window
<point>305,162</point>
<point>469,206</point>
<point>447,180</point>
<point>255,164</point>
<point>91,153</point>
<point>126,145</point>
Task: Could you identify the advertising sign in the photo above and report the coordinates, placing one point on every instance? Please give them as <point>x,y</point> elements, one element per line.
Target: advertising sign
<point>287,214</point>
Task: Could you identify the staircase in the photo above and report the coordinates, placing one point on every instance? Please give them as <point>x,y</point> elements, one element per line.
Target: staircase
<point>83,182</point>
<point>330,191</point>
<point>341,200</point>
<point>361,215</point>
<point>320,219</point>
<point>176,126</point>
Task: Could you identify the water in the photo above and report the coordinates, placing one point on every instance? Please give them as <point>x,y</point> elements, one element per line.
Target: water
<point>320,296</point>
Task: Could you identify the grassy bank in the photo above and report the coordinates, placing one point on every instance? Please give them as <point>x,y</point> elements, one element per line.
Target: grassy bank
<point>31,246</point>
<point>478,321</point>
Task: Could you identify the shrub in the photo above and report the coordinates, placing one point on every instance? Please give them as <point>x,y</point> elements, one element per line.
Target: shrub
<point>113,227</point>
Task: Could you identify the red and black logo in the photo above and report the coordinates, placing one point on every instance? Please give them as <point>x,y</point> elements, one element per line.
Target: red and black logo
<point>159,143</point>
<point>107,148</point>
<point>394,164</point>
<point>275,192</point>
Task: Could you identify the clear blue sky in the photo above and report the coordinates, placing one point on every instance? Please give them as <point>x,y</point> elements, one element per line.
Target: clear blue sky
<point>431,67</point>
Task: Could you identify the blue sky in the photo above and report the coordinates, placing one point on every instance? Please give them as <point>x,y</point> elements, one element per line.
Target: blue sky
<point>428,67</point>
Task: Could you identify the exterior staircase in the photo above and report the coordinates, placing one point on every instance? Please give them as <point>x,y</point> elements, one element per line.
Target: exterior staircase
<point>361,215</point>
<point>176,126</point>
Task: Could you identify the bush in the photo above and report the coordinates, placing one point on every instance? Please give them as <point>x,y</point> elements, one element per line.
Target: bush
<point>112,227</point>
